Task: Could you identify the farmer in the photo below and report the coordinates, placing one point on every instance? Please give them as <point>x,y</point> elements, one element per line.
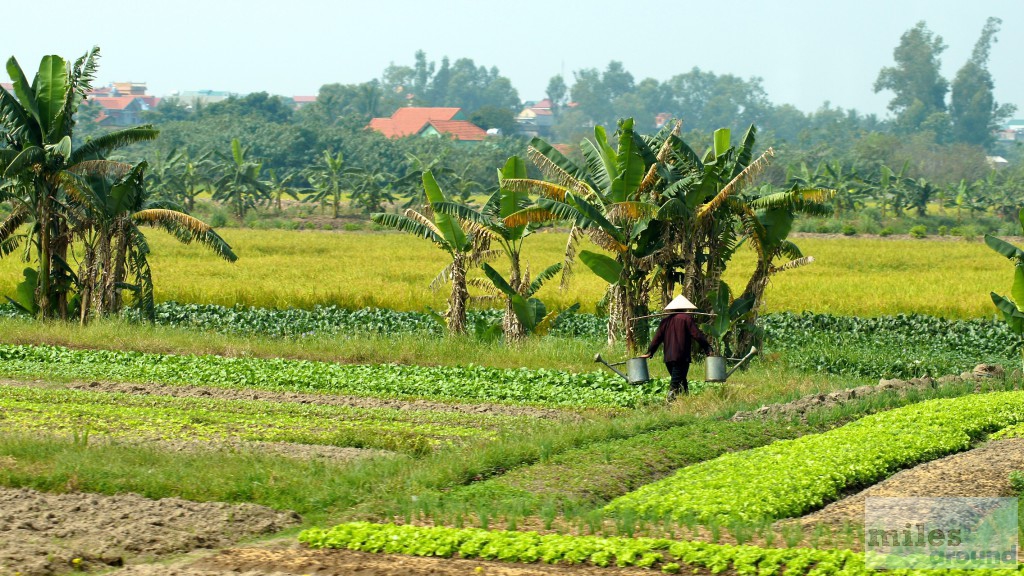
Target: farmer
<point>677,332</point>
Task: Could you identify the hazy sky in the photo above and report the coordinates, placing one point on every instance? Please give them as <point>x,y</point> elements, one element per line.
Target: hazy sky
<point>807,51</point>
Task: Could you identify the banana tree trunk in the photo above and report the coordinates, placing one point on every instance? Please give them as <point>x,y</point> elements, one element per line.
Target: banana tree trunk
<point>87,277</point>
<point>745,333</point>
<point>120,263</point>
<point>635,300</point>
<point>101,273</point>
<point>60,252</point>
<point>43,283</point>
<point>511,327</point>
<point>616,313</point>
<point>456,314</point>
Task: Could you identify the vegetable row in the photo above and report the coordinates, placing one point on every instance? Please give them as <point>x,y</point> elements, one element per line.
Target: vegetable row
<point>911,345</point>
<point>152,417</point>
<point>667,555</point>
<point>903,346</point>
<point>458,383</point>
<point>791,477</point>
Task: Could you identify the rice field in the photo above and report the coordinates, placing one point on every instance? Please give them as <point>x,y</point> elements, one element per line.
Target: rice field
<point>282,268</point>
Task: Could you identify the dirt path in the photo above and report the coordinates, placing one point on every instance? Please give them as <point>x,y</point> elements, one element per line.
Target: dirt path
<point>981,472</point>
<point>300,398</point>
<point>43,534</point>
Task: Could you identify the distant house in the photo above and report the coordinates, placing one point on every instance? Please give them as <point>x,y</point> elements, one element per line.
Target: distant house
<point>416,121</point>
<point>536,119</point>
<point>1012,131</point>
<point>123,110</point>
<point>122,103</point>
<point>193,98</point>
<point>997,162</point>
<point>302,101</point>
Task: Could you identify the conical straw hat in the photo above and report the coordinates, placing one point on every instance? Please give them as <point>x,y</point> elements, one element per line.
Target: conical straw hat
<point>680,304</point>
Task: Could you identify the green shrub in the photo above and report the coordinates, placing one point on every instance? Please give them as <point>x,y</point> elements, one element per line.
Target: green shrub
<point>352,226</point>
<point>1017,481</point>
<point>849,230</point>
<point>887,231</point>
<point>218,218</point>
<point>918,231</point>
<point>943,230</point>
<point>327,226</point>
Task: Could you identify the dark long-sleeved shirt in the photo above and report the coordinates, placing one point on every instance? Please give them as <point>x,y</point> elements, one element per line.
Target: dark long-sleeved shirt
<point>678,332</point>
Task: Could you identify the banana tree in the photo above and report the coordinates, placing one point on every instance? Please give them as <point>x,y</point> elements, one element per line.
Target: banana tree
<point>38,159</point>
<point>281,186</point>
<point>605,200</point>
<point>704,205</point>
<point>726,312</point>
<point>766,224</point>
<point>108,211</point>
<point>490,220</point>
<point>1011,308</point>
<point>446,233</point>
<point>530,312</point>
<point>329,179</point>
<point>240,185</point>
<point>181,178</point>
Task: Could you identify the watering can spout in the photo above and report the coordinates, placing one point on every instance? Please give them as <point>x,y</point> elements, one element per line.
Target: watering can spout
<point>753,350</point>
<point>597,358</point>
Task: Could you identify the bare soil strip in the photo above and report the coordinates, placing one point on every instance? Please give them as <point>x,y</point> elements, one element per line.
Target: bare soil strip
<point>43,534</point>
<point>300,398</point>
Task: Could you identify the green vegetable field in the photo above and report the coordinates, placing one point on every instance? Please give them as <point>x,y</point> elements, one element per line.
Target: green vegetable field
<point>422,326</point>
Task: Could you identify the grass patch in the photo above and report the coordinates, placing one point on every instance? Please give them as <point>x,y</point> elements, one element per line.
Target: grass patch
<point>313,488</point>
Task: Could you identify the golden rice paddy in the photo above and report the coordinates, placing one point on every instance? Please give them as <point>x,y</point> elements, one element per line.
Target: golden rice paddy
<point>279,268</point>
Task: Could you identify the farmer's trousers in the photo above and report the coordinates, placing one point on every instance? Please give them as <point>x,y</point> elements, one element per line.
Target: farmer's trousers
<point>678,371</point>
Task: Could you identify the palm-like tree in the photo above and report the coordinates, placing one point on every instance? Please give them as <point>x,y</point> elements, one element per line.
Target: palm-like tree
<point>40,159</point>
<point>281,186</point>
<point>490,220</point>
<point>465,249</point>
<point>108,211</point>
<point>371,189</point>
<point>181,178</point>
<point>329,179</point>
<point>610,201</point>
<point>240,184</point>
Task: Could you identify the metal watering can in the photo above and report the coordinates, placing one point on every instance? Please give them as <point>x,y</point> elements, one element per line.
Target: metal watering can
<point>714,366</point>
<point>636,369</point>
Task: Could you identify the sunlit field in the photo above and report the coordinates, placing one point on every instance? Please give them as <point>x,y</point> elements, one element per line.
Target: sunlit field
<point>277,268</point>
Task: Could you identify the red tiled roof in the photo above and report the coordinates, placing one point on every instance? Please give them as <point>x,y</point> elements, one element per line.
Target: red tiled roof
<point>545,103</point>
<point>459,129</point>
<point>303,99</point>
<point>115,102</point>
<point>541,111</point>
<point>410,120</point>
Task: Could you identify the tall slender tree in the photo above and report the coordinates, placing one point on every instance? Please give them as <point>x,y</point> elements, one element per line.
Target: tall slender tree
<point>916,79</point>
<point>973,108</point>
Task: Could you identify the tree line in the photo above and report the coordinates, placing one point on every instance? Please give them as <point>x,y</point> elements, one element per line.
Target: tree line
<point>939,149</point>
